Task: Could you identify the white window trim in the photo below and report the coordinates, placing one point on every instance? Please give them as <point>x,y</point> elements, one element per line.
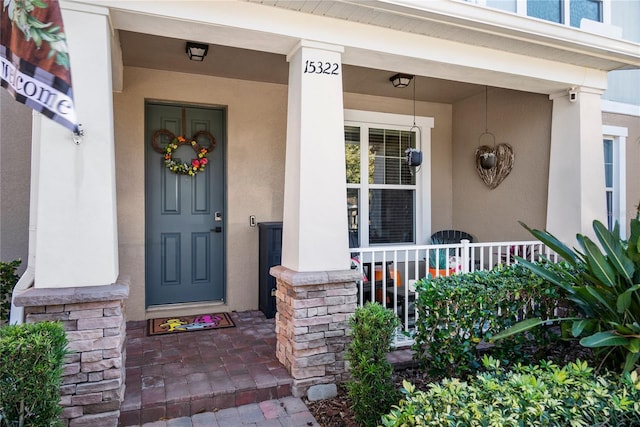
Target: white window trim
<point>619,136</point>
<point>423,176</point>
<point>620,108</point>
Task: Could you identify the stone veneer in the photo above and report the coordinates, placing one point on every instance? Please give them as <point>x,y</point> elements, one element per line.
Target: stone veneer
<point>312,325</point>
<point>94,372</point>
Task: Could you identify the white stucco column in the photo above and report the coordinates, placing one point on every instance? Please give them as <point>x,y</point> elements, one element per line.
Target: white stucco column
<point>76,215</point>
<point>315,220</point>
<point>576,194</point>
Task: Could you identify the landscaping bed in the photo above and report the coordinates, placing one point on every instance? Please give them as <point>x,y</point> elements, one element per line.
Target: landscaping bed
<point>337,412</point>
<point>474,328</point>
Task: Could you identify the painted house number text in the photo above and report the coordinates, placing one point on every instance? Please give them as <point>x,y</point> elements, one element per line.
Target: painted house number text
<point>319,67</point>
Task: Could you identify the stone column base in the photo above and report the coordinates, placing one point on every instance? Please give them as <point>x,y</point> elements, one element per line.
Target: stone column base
<point>312,325</point>
<point>94,373</point>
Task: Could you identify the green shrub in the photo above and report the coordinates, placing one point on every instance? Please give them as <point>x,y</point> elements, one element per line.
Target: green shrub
<point>371,388</point>
<point>544,395</point>
<point>459,313</point>
<point>8,279</point>
<point>606,291</point>
<point>31,363</point>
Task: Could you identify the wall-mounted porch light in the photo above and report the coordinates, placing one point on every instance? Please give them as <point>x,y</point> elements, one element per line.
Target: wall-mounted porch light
<point>401,80</point>
<point>197,51</point>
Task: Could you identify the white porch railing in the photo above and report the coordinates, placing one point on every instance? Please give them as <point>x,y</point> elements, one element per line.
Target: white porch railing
<point>389,273</point>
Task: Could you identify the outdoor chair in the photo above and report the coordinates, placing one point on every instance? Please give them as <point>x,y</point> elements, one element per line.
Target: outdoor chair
<point>447,237</point>
<point>444,237</point>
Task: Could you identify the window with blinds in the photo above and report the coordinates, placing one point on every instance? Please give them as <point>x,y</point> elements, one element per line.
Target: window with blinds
<point>380,185</point>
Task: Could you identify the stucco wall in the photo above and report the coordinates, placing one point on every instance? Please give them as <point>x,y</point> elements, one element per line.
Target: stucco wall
<point>255,159</point>
<point>632,123</point>
<point>15,174</point>
<point>255,166</point>
<point>524,121</point>
<point>256,134</point>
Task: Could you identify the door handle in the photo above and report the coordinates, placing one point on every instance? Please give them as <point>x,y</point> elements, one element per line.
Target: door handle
<point>217,229</point>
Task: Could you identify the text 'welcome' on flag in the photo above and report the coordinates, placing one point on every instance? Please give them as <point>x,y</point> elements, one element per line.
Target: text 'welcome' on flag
<point>34,58</point>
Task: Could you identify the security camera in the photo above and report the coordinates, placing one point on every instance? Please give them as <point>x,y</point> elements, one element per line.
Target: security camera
<point>573,95</point>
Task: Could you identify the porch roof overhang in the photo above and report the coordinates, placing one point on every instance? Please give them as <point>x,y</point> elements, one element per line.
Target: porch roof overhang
<point>441,39</point>
<point>480,26</point>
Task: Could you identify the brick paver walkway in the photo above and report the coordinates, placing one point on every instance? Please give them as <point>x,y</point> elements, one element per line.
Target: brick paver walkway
<point>285,412</point>
<point>180,375</point>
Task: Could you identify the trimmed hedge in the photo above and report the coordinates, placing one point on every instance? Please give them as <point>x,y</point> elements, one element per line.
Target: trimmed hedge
<point>458,315</point>
<point>371,388</point>
<point>544,395</point>
<point>31,366</point>
<point>8,280</point>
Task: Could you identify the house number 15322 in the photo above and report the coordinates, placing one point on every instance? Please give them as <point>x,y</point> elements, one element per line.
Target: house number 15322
<point>319,67</point>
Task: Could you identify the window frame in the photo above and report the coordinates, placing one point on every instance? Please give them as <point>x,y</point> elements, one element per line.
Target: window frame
<point>422,187</point>
<point>618,135</point>
<point>565,11</point>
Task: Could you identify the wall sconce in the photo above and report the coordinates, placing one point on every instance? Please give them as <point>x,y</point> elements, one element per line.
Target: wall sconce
<point>401,80</point>
<point>197,51</point>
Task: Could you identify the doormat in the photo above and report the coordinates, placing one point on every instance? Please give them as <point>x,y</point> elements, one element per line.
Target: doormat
<point>199,322</point>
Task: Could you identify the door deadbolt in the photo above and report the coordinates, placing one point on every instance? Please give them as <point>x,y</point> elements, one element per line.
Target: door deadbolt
<point>217,216</point>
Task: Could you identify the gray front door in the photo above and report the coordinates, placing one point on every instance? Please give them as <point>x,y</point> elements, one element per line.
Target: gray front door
<point>185,230</point>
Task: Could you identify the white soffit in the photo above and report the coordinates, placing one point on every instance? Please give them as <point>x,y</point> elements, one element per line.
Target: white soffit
<point>480,26</point>
<point>422,42</point>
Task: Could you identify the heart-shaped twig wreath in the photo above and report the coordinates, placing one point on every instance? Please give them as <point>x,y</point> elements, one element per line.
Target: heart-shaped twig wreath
<point>504,163</point>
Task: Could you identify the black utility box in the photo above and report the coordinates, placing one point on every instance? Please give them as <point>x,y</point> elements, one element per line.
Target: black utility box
<point>270,254</point>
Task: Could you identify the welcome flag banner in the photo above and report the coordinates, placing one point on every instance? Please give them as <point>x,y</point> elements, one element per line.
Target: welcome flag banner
<point>34,58</point>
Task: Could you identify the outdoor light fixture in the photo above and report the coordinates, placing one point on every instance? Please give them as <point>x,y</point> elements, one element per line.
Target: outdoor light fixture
<point>197,51</point>
<point>401,80</point>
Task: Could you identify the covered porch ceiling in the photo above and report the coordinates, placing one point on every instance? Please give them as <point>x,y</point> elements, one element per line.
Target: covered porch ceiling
<point>164,53</point>
<point>455,48</point>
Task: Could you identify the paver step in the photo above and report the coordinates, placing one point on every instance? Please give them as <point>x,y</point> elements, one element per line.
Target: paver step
<point>184,374</point>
